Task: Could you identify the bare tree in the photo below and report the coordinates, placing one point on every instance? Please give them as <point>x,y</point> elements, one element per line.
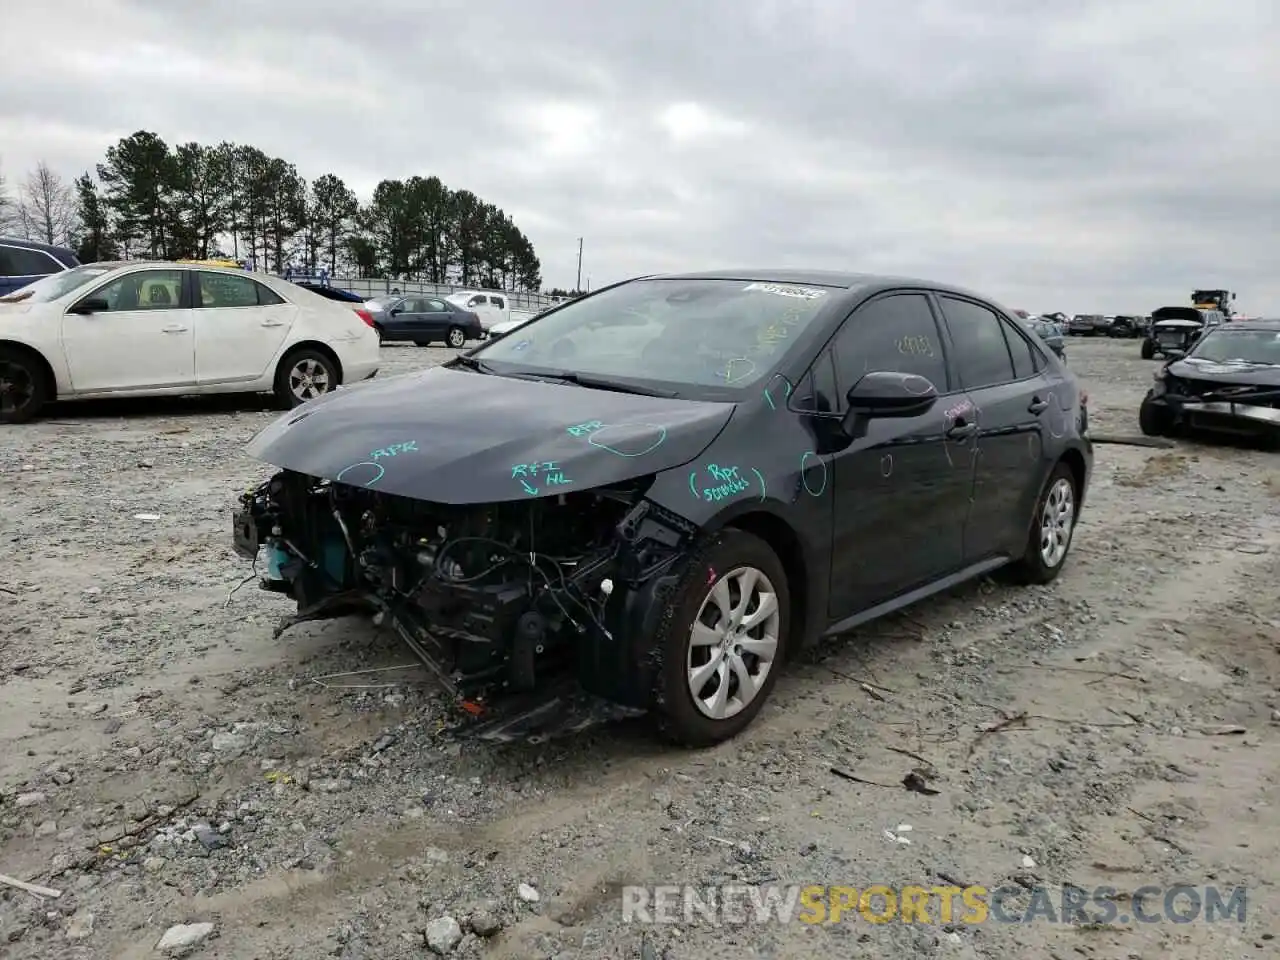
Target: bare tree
<point>47,207</point>
<point>8,212</point>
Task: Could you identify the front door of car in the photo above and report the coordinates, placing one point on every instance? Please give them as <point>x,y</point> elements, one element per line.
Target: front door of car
<point>481,306</point>
<point>135,332</point>
<point>240,326</point>
<point>414,320</point>
<point>1004,373</point>
<point>902,484</point>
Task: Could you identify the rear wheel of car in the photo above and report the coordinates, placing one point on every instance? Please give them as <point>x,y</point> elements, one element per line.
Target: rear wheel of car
<point>24,388</point>
<point>1154,420</point>
<point>1051,529</point>
<point>721,640</point>
<point>1148,349</point>
<point>457,337</point>
<point>304,375</point>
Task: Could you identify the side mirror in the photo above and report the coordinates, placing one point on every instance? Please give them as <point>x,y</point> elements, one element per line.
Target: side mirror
<point>396,311</point>
<point>92,305</point>
<point>887,394</point>
<point>1172,355</point>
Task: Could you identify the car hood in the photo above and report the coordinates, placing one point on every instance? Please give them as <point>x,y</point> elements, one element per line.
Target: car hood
<point>1260,374</point>
<point>455,436</point>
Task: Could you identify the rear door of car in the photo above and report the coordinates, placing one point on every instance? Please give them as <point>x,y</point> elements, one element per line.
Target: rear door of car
<point>1012,386</point>
<point>241,324</point>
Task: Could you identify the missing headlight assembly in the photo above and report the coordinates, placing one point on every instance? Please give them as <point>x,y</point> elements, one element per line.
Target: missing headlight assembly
<point>494,598</point>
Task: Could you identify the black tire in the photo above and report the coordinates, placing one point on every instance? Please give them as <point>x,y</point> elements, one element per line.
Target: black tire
<point>285,391</point>
<point>380,332</point>
<point>673,709</point>
<point>1154,420</point>
<point>1148,350</point>
<point>456,337</point>
<point>24,387</point>
<point>1032,567</point>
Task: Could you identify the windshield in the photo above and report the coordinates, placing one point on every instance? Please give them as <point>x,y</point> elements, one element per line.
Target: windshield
<point>712,333</point>
<point>1224,345</point>
<point>50,288</point>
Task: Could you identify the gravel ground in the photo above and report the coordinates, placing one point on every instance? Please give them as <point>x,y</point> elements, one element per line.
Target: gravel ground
<point>166,762</point>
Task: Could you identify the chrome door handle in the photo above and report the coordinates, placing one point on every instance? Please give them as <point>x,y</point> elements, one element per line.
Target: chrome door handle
<point>173,329</point>
<point>273,323</point>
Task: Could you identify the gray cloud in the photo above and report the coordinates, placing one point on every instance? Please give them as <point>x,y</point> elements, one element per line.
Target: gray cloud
<point>1086,156</point>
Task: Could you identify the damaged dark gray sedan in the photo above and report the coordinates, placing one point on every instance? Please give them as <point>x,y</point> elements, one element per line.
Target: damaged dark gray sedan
<point>655,494</point>
<point>1228,382</point>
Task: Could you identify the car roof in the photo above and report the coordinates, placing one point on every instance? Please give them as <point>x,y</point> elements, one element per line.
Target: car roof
<point>33,245</point>
<point>843,279</point>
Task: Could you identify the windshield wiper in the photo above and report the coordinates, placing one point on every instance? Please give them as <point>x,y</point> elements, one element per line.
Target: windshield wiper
<point>471,363</point>
<point>602,383</point>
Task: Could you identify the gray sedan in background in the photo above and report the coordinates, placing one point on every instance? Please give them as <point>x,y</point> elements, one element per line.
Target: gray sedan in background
<point>1049,333</point>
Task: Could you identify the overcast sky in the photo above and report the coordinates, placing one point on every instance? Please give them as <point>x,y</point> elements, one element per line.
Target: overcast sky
<point>1085,156</point>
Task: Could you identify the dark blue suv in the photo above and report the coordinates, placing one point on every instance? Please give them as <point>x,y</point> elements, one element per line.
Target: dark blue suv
<point>26,261</point>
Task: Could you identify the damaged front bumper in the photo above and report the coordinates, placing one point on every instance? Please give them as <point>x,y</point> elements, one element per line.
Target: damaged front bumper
<point>540,611</point>
<point>1222,416</point>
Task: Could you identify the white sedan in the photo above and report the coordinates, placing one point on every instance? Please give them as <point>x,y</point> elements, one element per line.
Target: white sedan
<point>143,329</point>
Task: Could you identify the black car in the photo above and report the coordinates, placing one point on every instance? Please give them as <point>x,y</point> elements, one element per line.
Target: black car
<point>660,491</point>
<point>1229,382</point>
<point>424,320</point>
<point>1125,327</point>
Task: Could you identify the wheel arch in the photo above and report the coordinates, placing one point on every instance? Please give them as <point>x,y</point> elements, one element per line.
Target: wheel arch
<point>322,348</point>
<point>765,520</point>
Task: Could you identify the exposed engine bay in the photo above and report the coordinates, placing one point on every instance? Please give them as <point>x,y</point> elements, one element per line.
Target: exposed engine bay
<point>494,598</point>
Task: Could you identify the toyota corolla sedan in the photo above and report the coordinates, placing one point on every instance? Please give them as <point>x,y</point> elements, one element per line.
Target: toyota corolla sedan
<point>153,329</point>
<point>661,491</point>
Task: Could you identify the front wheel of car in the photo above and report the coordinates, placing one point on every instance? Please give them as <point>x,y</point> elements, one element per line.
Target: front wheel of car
<point>456,337</point>
<point>721,640</point>
<point>1052,527</point>
<point>1148,349</point>
<point>24,389</point>
<point>304,375</point>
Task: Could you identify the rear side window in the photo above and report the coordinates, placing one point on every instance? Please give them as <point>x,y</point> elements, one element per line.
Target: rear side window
<point>437,306</point>
<point>229,290</point>
<point>20,262</point>
<point>498,302</point>
<point>982,356</point>
<point>476,302</point>
<point>896,333</point>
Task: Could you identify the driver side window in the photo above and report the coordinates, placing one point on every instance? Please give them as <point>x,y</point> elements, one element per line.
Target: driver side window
<point>144,290</point>
<point>895,333</point>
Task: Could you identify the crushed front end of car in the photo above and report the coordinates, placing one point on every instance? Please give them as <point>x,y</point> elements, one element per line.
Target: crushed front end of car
<point>521,602</point>
<point>1176,402</point>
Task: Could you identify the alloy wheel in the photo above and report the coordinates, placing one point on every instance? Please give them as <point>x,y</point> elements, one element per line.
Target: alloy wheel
<point>1056,522</point>
<point>733,642</point>
<point>308,379</point>
<point>17,387</point>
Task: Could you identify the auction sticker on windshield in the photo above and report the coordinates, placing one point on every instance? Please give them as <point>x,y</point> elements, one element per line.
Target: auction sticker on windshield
<point>802,293</point>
